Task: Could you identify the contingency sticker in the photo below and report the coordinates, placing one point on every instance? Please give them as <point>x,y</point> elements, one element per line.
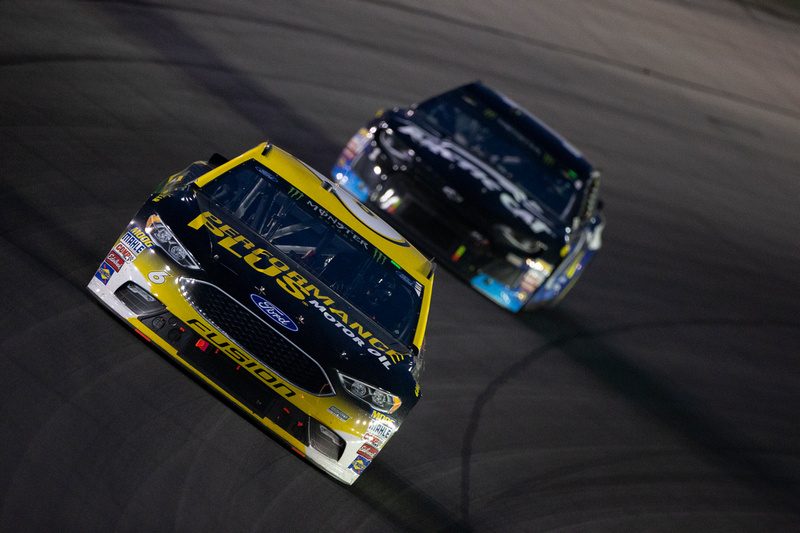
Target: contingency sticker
<point>338,413</point>
<point>124,252</point>
<point>114,260</point>
<point>374,440</point>
<point>368,451</point>
<point>136,240</point>
<point>381,426</point>
<point>359,464</point>
<point>104,273</point>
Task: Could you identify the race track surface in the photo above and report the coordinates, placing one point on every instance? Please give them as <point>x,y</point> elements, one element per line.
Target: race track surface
<point>663,393</point>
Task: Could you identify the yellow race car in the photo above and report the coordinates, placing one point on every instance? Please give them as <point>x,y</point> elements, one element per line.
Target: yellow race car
<point>285,294</point>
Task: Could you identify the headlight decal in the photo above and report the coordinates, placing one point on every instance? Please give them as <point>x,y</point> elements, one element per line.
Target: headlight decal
<point>395,146</point>
<point>163,237</point>
<point>377,398</point>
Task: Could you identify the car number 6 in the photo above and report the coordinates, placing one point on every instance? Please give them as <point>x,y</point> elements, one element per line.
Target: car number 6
<point>157,277</point>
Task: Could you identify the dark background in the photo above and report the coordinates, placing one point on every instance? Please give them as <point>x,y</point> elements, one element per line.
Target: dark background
<point>661,395</point>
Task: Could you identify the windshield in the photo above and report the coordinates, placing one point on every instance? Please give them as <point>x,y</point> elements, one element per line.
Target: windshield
<point>323,245</point>
<point>480,130</point>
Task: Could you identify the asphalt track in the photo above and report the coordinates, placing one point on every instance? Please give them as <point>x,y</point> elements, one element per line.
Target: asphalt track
<point>662,395</point>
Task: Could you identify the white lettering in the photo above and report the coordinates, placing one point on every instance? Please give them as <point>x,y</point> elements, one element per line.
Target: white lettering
<point>513,198</point>
<point>536,225</point>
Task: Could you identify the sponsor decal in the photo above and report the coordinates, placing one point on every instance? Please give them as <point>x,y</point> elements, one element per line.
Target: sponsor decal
<point>266,174</point>
<point>115,261</point>
<point>142,236</point>
<point>136,240</point>
<point>381,425</point>
<point>368,451</point>
<point>512,197</point>
<point>359,210</point>
<point>359,464</point>
<point>533,278</point>
<point>355,145</point>
<point>104,273</point>
<point>241,357</point>
<point>338,413</point>
<point>295,284</point>
<point>356,332</point>
<point>336,224</point>
<point>374,440</point>
<point>521,210</point>
<point>363,214</point>
<point>411,283</point>
<point>272,311</point>
<point>133,243</point>
<point>124,252</point>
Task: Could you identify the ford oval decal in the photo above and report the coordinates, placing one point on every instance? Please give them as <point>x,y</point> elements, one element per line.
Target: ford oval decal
<point>273,312</point>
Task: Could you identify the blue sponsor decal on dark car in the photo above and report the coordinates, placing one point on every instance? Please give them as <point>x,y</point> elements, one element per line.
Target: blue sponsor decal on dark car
<point>273,312</point>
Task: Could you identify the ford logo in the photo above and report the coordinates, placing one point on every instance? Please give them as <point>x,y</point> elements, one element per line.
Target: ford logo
<point>273,312</point>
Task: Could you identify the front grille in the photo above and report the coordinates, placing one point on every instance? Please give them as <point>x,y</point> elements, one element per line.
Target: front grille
<point>228,375</point>
<point>257,337</point>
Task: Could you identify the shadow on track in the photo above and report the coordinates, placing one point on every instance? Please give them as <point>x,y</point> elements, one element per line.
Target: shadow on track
<point>151,27</point>
<point>649,393</point>
<point>394,498</point>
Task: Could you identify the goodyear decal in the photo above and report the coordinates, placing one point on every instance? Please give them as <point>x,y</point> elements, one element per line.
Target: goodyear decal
<point>295,284</point>
<point>241,357</point>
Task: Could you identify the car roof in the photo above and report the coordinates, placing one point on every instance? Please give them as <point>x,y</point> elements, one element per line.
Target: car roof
<point>526,123</point>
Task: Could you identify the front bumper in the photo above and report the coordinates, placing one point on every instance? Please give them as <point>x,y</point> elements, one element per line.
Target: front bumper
<point>147,291</point>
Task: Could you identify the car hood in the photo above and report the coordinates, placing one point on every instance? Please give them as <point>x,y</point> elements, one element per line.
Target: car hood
<point>320,323</point>
<point>470,184</point>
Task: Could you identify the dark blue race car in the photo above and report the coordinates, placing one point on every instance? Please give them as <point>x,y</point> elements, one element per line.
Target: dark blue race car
<point>486,188</point>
